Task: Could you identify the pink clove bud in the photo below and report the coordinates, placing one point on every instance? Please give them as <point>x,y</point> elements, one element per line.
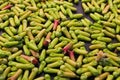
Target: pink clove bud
<point>71,54</point>
<point>100,55</point>
<point>47,39</point>
<point>33,60</point>
<point>35,54</point>
<point>56,22</point>
<point>67,47</point>
<point>7,7</point>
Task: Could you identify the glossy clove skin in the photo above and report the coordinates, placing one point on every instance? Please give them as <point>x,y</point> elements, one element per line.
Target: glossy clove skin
<point>71,54</point>
<point>33,73</point>
<point>56,23</point>
<point>5,73</point>
<point>7,7</point>
<point>47,39</point>
<point>67,47</point>
<point>32,59</point>
<point>16,75</point>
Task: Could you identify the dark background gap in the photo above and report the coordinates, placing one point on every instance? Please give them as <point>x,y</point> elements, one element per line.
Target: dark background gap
<point>80,10</point>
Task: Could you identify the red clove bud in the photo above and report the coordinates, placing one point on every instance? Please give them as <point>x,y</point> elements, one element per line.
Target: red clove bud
<point>33,60</point>
<point>7,7</point>
<point>67,47</point>
<point>71,54</point>
<point>56,22</point>
<point>47,39</point>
